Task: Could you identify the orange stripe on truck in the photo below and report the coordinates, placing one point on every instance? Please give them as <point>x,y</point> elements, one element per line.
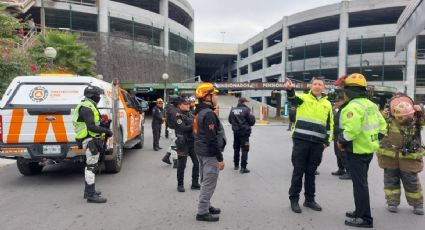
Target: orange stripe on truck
<point>43,127</point>
<point>15,126</point>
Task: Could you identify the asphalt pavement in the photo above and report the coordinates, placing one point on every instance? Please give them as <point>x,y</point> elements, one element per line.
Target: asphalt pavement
<point>143,195</point>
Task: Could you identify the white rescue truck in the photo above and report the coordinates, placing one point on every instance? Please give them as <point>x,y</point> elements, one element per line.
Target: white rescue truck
<point>36,121</point>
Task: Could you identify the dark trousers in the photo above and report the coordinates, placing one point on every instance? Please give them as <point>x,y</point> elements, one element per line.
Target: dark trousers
<point>341,159</point>
<point>306,157</point>
<point>181,166</point>
<point>359,166</point>
<point>156,131</point>
<point>240,142</point>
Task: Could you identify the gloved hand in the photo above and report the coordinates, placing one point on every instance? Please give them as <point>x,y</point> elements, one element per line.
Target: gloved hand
<point>108,133</point>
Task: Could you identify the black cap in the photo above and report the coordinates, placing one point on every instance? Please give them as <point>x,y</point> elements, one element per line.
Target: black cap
<point>243,100</point>
<point>184,100</point>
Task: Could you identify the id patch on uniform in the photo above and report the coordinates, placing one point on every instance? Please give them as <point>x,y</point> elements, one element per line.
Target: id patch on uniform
<point>179,121</point>
<point>350,115</point>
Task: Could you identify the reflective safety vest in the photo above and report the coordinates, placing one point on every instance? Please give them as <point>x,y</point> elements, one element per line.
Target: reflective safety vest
<point>362,122</point>
<point>314,119</point>
<point>80,127</point>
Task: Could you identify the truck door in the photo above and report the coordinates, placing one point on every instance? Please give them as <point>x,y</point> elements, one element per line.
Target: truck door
<point>133,117</point>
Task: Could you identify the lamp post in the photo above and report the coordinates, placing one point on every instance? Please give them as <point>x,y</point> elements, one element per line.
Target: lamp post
<point>165,78</point>
<point>50,53</point>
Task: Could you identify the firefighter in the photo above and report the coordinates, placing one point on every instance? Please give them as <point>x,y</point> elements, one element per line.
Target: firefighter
<point>170,117</point>
<point>311,135</point>
<point>400,153</point>
<point>157,120</point>
<point>88,134</point>
<point>185,145</point>
<point>210,141</point>
<point>362,126</point>
<point>241,120</point>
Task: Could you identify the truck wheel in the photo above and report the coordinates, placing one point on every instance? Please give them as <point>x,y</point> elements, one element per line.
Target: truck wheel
<point>114,166</point>
<point>28,168</point>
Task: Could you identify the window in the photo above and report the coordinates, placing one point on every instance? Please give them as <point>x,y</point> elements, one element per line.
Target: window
<point>258,65</point>
<point>274,38</point>
<point>329,49</point>
<point>375,17</point>
<point>180,16</point>
<point>243,54</point>
<point>151,5</point>
<point>257,47</point>
<point>314,26</point>
<point>371,45</point>
<point>275,59</point>
<point>243,70</point>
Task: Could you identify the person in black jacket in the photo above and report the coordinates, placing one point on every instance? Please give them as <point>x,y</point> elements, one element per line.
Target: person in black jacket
<point>157,120</point>
<point>210,141</point>
<point>241,120</point>
<point>185,145</point>
<point>170,116</point>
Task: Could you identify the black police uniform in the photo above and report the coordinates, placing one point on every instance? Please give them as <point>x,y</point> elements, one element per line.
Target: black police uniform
<point>241,120</point>
<point>185,147</point>
<point>341,158</point>
<point>157,119</point>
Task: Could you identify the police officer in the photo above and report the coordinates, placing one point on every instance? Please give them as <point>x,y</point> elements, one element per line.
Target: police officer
<point>241,120</point>
<point>170,116</point>
<point>210,141</point>
<point>363,126</point>
<point>185,145</point>
<point>311,135</point>
<point>157,120</point>
<point>86,121</point>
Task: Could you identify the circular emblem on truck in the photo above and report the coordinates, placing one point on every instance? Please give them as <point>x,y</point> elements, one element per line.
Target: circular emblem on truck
<point>38,94</point>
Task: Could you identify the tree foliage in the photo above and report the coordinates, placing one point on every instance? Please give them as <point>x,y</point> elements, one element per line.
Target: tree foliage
<point>72,55</point>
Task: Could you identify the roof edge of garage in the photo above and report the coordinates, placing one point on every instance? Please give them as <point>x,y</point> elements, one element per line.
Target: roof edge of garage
<point>216,48</point>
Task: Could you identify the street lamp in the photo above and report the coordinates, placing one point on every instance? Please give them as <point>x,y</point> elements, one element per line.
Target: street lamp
<point>50,53</point>
<point>165,78</point>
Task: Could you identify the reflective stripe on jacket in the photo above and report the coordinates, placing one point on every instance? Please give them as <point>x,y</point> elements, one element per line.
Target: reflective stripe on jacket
<point>80,127</point>
<point>314,118</point>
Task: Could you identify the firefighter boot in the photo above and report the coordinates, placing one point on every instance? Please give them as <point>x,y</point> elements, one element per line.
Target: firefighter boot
<point>92,197</point>
<point>418,210</point>
<point>166,158</point>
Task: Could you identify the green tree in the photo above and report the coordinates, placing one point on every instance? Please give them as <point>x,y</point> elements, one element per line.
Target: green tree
<point>72,55</point>
<point>13,62</point>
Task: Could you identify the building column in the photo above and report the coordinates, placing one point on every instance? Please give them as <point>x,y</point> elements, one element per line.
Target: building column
<point>165,36</point>
<point>103,16</point>
<point>411,69</point>
<point>343,30</point>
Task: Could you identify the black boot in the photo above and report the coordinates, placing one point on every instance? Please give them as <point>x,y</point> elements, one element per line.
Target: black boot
<point>244,170</point>
<point>214,211</point>
<point>313,205</point>
<point>175,164</point>
<point>195,186</point>
<point>359,222</point>
<point>180,188</point>
<point>86,191</point>
<point>346,176</point>
<point>295,206</point>
<point>92,197</point>
<point>207,217</point>
<point>339,172</point>
<point>166,158</point>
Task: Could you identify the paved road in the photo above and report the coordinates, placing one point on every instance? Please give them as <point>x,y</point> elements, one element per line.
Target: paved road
<point>143,195</point>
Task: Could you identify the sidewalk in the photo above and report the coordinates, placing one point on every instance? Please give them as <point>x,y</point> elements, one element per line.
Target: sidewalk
<point>4,162</point>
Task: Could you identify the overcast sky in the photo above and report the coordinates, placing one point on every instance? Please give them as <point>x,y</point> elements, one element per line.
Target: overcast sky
<point>242,19</point>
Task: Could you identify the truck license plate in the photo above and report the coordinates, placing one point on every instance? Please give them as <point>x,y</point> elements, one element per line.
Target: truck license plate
<point>51,149</point>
